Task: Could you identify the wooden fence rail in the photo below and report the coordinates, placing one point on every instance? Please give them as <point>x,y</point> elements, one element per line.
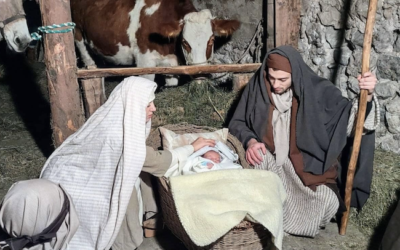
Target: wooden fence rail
<point>179,70</point>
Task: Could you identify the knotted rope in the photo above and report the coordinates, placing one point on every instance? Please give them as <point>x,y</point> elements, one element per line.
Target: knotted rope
<point>53,29</point>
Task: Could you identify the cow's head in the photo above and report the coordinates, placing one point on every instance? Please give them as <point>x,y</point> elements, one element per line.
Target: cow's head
<point>13,27</point>
<point>198,32</point>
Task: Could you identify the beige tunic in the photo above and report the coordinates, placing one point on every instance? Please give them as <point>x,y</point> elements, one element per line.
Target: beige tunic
<point>130,235</point>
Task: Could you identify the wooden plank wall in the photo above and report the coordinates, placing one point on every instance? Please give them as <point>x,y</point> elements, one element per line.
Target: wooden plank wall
<point>270,28</point>
<point>287,22</point>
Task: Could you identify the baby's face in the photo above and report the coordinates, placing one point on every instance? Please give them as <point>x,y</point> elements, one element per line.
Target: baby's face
<point>212,155</point>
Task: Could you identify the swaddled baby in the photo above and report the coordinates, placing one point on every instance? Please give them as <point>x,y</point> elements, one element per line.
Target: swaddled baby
<point>211,158</point>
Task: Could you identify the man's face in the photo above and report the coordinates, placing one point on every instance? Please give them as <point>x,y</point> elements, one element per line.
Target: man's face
<point>279,80</point>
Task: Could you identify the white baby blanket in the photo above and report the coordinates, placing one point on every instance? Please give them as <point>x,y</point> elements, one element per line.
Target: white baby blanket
<point>195,163</point>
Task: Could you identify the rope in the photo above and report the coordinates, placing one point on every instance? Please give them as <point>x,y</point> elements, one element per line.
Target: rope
<point>66,27</point>
<point>257,34</point>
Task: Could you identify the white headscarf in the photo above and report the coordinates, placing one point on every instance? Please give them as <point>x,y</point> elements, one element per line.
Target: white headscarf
<point>100,163</point>
<point>31,206</point>
<point>152,96</point>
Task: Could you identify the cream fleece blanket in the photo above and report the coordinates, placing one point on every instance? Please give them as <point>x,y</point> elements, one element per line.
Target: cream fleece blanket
<point>210,204</point>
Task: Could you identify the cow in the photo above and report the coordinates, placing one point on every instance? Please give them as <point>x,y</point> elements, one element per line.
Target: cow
<point>13,26</point>
<point>146,32</point>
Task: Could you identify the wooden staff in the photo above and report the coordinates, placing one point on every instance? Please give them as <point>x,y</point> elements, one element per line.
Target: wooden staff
<point>361,114</point>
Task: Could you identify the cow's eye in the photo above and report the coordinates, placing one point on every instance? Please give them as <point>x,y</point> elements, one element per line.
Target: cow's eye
<point>211,40</point>
<point>186,45</point>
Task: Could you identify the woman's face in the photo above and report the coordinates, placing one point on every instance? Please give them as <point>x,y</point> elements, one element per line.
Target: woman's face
<point>150,109</point>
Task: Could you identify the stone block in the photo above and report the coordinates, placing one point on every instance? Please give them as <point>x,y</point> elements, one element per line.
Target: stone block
<point>393,122</point>
<point>386,88</point>
<point>318,60</point>
<point>393,115</point>
<point>381,130</point>
<point>383,38</point>
<point>391,143</point>
<point>393,106</point>
<point>388,13</point>
<point>357,38</point>
<point>389,67</point>
<point>361,9</point>
<point>354,67</point>
<point>333,36</point>
<point>314,34</point>
<point>331,17</point>
<point>353,84</point>
<point>240,81</point>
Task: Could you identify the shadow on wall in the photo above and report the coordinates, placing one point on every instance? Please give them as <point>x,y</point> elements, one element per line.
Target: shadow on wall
<point>344,15</point>
<point>28,99</point>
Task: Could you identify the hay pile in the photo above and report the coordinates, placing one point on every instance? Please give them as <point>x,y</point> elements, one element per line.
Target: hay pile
<point>200,104</point>
<point>25,135</point>
<point>21,158</point>
<point>385,193</point>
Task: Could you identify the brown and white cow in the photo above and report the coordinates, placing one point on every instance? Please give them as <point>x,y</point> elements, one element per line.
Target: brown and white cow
<point>146,32</point>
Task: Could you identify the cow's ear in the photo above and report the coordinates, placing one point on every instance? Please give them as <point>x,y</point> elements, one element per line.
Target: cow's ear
<point>171,29</point>
<point>224,27</point>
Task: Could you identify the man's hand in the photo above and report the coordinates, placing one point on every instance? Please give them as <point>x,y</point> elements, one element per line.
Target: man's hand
<point>201,142</point>
<point>367,81</point>
<point>253,155</point>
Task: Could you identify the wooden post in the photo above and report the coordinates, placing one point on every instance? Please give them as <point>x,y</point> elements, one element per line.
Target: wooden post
<point>269,29</point>
<point>362,107</point>
<point>93,95</point>
<point>287,22</point>
<point>66,110</point>
<point>240,81</point>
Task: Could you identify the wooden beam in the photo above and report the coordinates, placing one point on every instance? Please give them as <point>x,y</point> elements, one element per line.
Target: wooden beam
<point>93,93</point>
<point>66,109</point>
<point>287,22</point>
<point>270,27</point>
<point>180,70</point>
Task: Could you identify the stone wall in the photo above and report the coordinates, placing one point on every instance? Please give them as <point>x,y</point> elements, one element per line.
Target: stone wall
<point>249,13</point>
<point>331,39</point>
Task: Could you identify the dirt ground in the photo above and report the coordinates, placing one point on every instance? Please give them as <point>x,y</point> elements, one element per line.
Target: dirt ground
<point>25,144</point>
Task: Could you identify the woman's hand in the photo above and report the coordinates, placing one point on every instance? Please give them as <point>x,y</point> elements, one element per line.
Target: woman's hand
<point>367,81</point>
<point>253,155</point>
<point>201,142</point>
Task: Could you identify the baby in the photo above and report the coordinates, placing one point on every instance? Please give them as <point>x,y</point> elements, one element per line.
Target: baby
<point>213,156</point>
<point>210,159</point>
